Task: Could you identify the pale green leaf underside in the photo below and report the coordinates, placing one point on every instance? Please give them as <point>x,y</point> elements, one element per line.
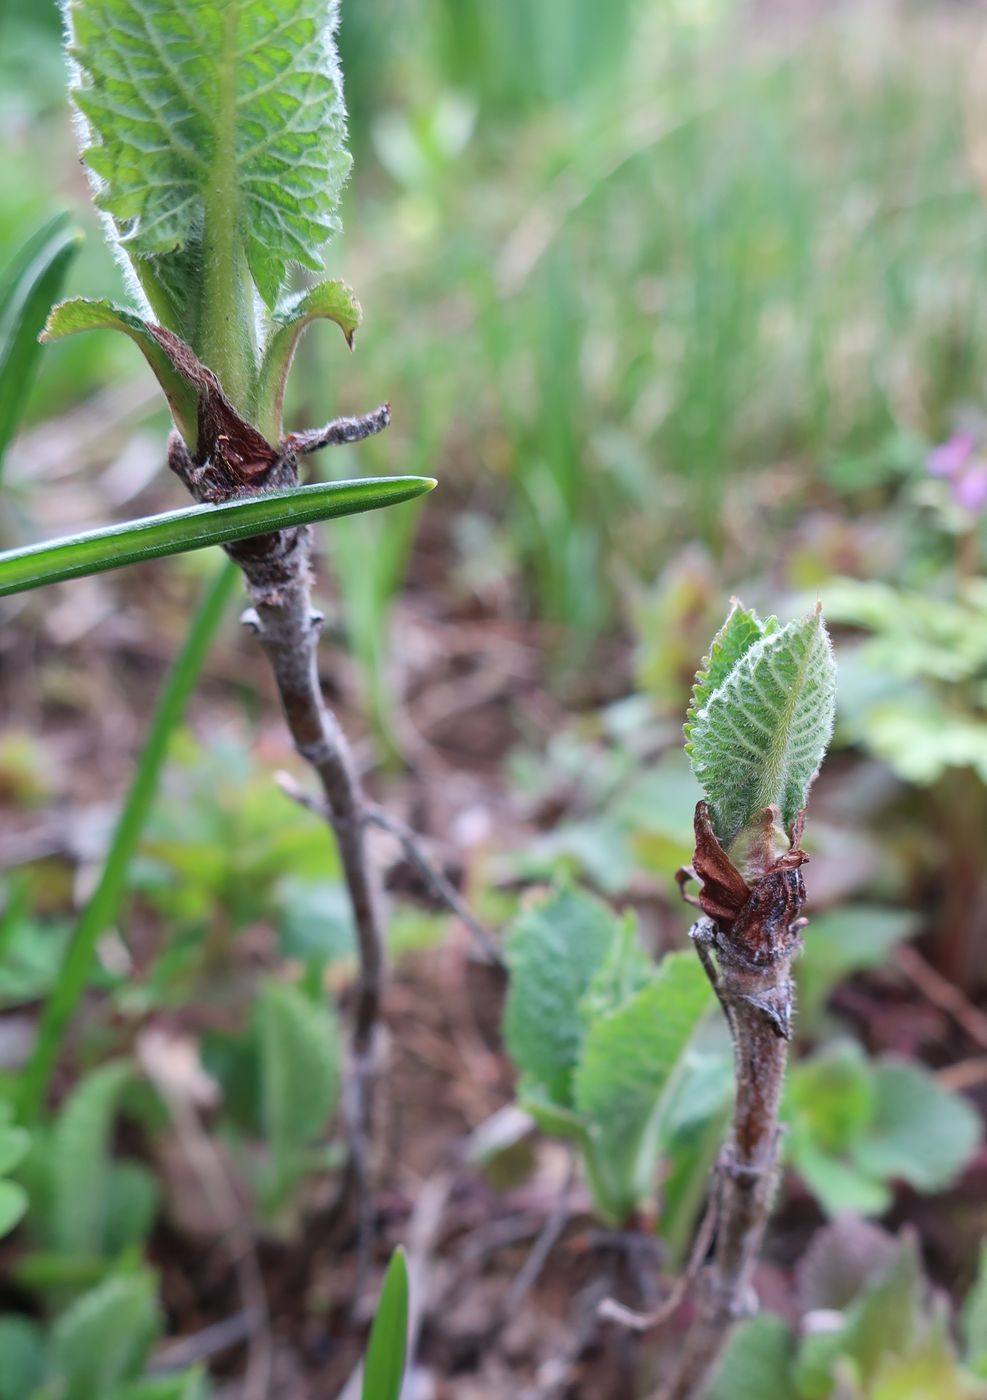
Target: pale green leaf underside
<point>760,737</point>
<point>84,314</point>
<point>629,1064</point>
<point>330,301</point>
<point>187,98</point>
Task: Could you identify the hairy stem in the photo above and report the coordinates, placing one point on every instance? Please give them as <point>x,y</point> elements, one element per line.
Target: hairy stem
<point>757,1002</point>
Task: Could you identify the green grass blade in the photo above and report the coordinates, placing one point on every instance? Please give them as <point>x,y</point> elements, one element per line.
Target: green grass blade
<point>197,526</point>
<point>383,1370</point>
<point>104,905</point>
<point>31,284</point>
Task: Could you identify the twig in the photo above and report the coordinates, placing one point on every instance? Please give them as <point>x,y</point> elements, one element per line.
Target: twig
<point>968,1074</point>
<point>647,1322</point>
<point>340,431</point>
<point>288,631</point>
<point>411,844</point>
<point>542,1248</point>
<point>276,569</point>
<point>204,1344</point>
<point>442,887</point>
<point>943,994</point>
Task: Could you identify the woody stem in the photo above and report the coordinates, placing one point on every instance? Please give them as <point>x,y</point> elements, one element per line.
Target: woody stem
<point>757,1005</point>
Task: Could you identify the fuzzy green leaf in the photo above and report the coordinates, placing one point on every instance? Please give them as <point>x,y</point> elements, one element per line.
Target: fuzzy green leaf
<point>190,1385</point>
<point>83,314</point>
<point>32,283</point>
<point>300,1061</point>
<point>879,1323</point>
<point>214,119</point>
<point>927,1367</point>
<point>80,1160</point>
<point>626,969</point>
<point>738,634</point>
<point>920,1132</point>
<point>629,1067</point>
<point>857,1126</point>
<point>13,1205</point>
<point>195,527</point>
<point>14,1143</point>
<point>330,301</point>
<point>383,1371</point>
<point>757,1364</point>
<point>760,737</point>
<point>103,1338</point>
<point>22,1356</point>
<point>553,951</point>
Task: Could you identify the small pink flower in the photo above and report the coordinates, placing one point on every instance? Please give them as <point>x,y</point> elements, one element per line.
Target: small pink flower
<point>970,488</point>
<point>950,457</point>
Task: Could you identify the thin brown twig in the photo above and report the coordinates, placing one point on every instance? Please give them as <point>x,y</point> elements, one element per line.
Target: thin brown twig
<point>943,994</point>
<point>411,844</point>
<point>968,1074</point>
<point>646,1322</point>
<point>288,632</point>
<point>277,571</point>
<point>340,431</point>
<point>537,1258</point>
<point>441,886</point>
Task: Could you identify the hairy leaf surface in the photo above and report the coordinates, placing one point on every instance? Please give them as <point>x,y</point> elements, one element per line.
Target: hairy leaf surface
<point>553,951</point>
<point>80,1160</point>
<point>300,1059</point>
<point>83,314</point>
<point>208,117</point>
<point>330,301</point>
<point>22,1353</point>
<point>629,1065</point>
<point>760,737</point>
<point>738,634</point>
<point>103,1338</point>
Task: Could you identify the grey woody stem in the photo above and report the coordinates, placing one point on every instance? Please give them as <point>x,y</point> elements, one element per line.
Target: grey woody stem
<point>277,572</point>
<point>757,1003</point>
<point>288,632</point>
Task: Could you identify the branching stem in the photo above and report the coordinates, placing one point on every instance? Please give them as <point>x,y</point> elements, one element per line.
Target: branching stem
<point>277,572</point>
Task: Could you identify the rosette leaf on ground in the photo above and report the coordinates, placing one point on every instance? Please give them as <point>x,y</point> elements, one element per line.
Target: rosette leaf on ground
<point>601,1037</point>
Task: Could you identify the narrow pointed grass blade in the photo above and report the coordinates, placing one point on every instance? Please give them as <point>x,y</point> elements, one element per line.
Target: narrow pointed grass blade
<point>174,532</point>
<point>30,285</point>
<point>383,1370</point>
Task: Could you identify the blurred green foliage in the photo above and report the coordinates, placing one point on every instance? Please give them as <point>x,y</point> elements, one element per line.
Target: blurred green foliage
<point>890,1339</point>
<point>675,304</point>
